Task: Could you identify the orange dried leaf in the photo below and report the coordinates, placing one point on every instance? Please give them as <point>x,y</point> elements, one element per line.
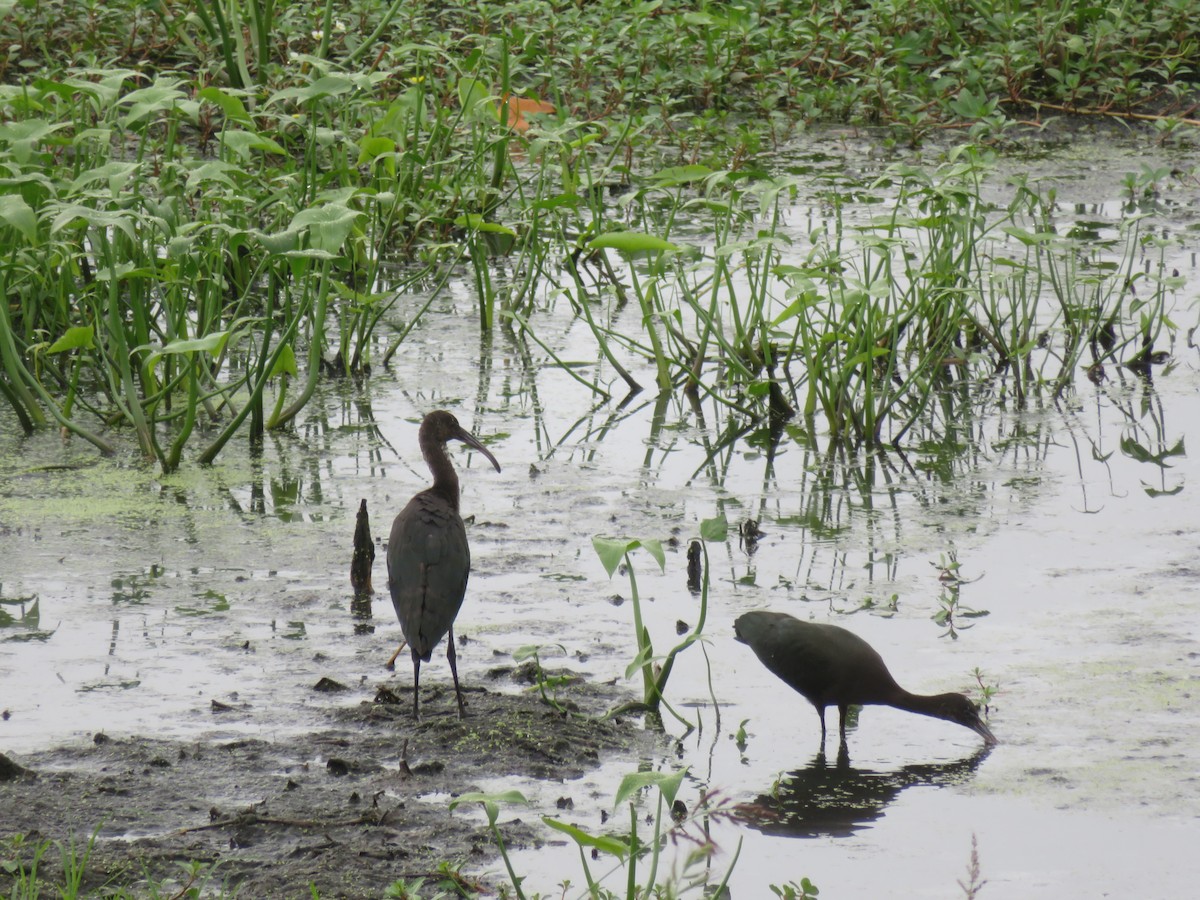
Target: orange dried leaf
<point>519,107</point>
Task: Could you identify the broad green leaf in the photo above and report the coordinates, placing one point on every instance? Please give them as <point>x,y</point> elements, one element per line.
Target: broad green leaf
<point>473,95</point>
<point>280,242</point>
<point>214,171</point>
<point>213,342</point>
<point>20,215</point>
<point>667,783</point>
<point>614,846</point>
<point>309,254</point>
<point>231,106</point>
<point>655,548</point>
<point>370,149</point>
<point>630,242</point>
<point>328,86</point>
<point>22,136</point>
<point>244,143</point>
<point>530,651</point>
<point>117,174</point>
<point>123,270</point>
<point>611,552</point>
<point>328,225</point>
<point>476,222</point>
<point>78,337</point>
<point>513,796</point>
<point>491,802</point>
<point>285,363</point>
<point>715,529</point>
<point>99,218</point>
<point>161,97</point>
<point>676,175</point>
<point>559,201</point>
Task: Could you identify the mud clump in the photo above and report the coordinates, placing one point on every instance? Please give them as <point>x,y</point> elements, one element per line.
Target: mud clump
<point>337,808</point>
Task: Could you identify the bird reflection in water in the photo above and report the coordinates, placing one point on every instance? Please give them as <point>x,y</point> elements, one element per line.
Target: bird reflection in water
<point>840,800</point>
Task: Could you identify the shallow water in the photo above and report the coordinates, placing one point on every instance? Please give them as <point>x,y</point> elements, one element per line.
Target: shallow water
<point>157,595</point>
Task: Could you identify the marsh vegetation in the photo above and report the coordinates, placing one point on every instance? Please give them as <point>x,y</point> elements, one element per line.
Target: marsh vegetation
<point>221,221</point>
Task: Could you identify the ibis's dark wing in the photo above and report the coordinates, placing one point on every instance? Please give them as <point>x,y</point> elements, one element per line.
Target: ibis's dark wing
<point>827,664</point>
<point>428,564</point>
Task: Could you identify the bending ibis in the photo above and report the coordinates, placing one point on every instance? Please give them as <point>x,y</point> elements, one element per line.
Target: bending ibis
<point>831,666</point>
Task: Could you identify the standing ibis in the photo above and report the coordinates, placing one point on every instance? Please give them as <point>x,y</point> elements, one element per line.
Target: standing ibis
<point>428,559</point>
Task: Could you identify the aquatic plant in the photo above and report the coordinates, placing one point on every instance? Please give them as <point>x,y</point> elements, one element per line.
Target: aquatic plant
<point>202,215</point>
<point>491,807</point>
<point>655,672</point>
<point>632,862</point>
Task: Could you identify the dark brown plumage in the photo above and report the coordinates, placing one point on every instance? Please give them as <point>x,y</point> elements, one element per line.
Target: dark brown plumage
<point>831,666</point>
<point>428,558</point>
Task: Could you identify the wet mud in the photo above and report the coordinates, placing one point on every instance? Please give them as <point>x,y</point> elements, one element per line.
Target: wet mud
<point>349,808</point>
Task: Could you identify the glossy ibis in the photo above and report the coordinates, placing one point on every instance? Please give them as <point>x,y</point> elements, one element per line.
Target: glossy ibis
<point>428,559</point>
<point>831,666</point>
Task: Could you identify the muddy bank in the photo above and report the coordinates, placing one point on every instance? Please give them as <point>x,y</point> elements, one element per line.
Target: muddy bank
<point>356,803</point>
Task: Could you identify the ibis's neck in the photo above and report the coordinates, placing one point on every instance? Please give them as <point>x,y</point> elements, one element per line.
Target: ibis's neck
<point>925,704</point>
<point>445,479</point>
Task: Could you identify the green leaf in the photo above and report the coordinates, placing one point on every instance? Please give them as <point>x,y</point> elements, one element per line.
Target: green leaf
<point>20,215</point>
<point>677,175</point>
<point>69,216</point>
<point>558,201</point>
<point>530,651</point>
<point>285,363</point>
<point>370,149</point>
<point>327,86</point>
<point>630,242</point>
<point>513,796</point>
<point>215,171</point>
<point>163,96</point>
<point>231,106</point>
<point>22,136</point>
<point>328,225</point>
<point>213,342</point>
<point>117,175</point>
<point>639,662</point>
<point>476,222</point>
<point>715,529</point>
<point>78,337</point>
<point>473,94</point>
<point>668,784</point>
<point>656,550</point>
<point>611,552</point>
<point>491,802</point>
<point>243,143</point>
<point>614,846</point>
